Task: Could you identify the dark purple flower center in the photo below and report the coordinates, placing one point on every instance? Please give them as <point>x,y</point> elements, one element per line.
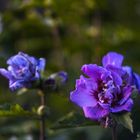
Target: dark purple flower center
<point>106,93</point>
<point>21,71</point>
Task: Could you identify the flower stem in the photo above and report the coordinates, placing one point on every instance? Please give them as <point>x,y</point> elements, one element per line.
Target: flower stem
<point>42,119</point>
<point>114,132</point>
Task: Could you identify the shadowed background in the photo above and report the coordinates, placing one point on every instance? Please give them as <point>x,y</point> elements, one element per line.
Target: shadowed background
<point>68,34</point>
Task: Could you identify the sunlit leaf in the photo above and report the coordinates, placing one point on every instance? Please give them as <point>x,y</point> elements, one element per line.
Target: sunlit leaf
<point>14,110</point>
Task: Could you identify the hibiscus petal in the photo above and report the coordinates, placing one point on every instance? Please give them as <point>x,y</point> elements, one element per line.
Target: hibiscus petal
<point>40,67</point>
<point>125,107</point>
<point>83,95</point>
<point>117,79</point>
<point>92,70</point>
<point>112,58</point>
<point>14,85</point>
<point>5,73</point>
<point>96,112</point>
<point>117,74</point>
<point>117,70</point>
<point>37,75</point>
<point>129,79</point>
<point>41,64</point>
<point>104,105</point>
<point>137,81</point>
<point>18,60</point>
<point>87,83</point>
<point>82,98</point>
<point>127,91</point>
<point>128,70</point>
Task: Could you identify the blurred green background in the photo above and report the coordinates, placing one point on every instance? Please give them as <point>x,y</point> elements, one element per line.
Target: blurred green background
<point>68,33</point>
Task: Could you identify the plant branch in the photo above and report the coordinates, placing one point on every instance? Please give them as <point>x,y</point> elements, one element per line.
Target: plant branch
<point>42,117</point>
<point>114,132</point>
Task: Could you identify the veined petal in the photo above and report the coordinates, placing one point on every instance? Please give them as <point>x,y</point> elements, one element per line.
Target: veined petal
<point>125,107</point>
<point>96,112</point>
<point>112,58</point>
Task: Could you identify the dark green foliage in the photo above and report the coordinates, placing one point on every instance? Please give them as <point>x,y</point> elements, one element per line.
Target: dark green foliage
<point>73,120</point>
<point>125,120</point>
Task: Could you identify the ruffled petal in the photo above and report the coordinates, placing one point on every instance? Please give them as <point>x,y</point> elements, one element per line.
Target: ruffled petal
<point>93,71</point>
<point>87,83</point>
<point>84,93</point>
<point>96,112</point>
<point>112,58</point>
<point>126,93</point>
<point>117,74</point>
<point>117,79</point>
<point>18,60</point>
<point>125,107</point>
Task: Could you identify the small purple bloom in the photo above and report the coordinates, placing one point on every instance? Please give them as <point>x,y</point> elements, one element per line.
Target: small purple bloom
<point>60,77</point>
<point>23,70</point>
<point>55,80</point>
<point>105,89</point>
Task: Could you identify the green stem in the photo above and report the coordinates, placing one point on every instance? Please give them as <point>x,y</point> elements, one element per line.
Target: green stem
<point>114,132</point>
<point>42,119</point>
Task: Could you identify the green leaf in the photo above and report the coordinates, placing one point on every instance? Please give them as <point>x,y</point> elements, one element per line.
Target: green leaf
<point>7,110</point>
<point>125,120</point>
<point>73,119</point>
<point>17,108</point>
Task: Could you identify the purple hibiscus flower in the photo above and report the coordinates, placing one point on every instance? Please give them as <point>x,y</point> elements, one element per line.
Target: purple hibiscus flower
<point>23,70</point>
<point>105,89</point>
